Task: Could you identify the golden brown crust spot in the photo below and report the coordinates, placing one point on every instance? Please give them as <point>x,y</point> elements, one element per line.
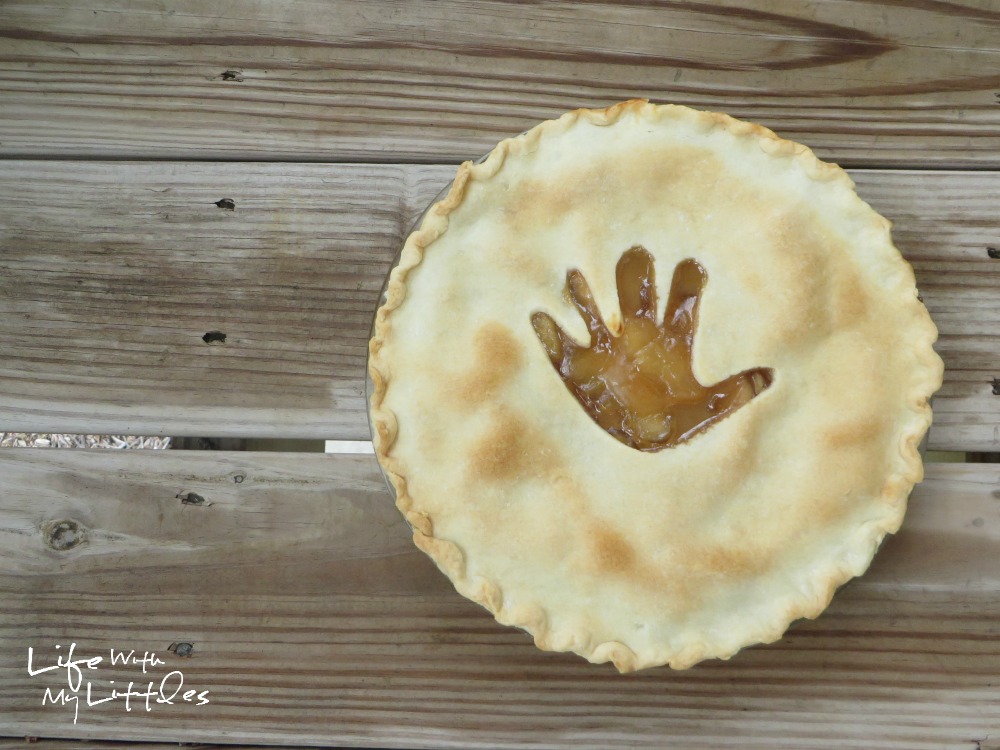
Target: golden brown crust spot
<point>512,448</point>
<point>860,432</point>
<point>608,553</point>
<point>676,171</point>
<point>730,562</point>
<point>833,295</point>
<point>801,278</point>
<point>612,552</point>
<point>850,303</point>
<point>498,357</point>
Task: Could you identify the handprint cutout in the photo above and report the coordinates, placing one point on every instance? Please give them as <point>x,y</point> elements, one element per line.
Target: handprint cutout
<point>639,385</point>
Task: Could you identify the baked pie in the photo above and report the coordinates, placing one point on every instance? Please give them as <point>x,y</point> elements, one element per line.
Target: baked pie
<point>649,383</point>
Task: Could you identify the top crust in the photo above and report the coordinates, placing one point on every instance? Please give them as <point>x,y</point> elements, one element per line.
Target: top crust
<point>696,551</point>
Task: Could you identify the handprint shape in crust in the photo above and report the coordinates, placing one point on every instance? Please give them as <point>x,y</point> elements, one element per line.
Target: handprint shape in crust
<point>639,385</point>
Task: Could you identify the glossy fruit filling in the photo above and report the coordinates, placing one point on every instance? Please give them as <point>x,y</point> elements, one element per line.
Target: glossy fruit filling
<point>638,385</point>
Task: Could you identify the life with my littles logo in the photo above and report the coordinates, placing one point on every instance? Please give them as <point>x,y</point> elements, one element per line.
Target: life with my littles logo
<point>77,675</point>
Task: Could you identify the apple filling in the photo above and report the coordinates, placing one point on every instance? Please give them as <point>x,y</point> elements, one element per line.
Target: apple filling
<point>638,384</point>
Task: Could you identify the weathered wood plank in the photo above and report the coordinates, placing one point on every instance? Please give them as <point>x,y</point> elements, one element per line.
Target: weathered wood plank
<point>313,620</point>
<point>111,274</point>
<point>866,83</point>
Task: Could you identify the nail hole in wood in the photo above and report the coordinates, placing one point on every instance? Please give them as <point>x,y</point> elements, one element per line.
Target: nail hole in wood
<point>192,498</point>
<point>232,75</point>
<point>993,253</point>
<point>182,648</point>
<point>238,478</point>
<point>996,386</point>
<point>63,534</point>
<point>214,337</point>
<point>227,203</point>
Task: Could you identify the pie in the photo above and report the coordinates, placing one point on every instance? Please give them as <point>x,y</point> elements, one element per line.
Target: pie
<point>649,384</point>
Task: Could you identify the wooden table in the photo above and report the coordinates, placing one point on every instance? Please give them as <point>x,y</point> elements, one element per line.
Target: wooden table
<point>172,169</point>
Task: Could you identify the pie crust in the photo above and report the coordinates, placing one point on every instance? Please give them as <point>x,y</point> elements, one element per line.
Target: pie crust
<point>692,552</point>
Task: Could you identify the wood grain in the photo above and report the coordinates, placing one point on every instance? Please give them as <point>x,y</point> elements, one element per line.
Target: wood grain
<point>310,618</point>
<point>865,83</point>
<point>313,620</point>
<point>111,274</point>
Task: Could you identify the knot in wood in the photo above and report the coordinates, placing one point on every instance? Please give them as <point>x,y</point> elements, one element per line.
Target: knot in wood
<point>192,498</point>
<point>64,534</point>
<point>182,648</point>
